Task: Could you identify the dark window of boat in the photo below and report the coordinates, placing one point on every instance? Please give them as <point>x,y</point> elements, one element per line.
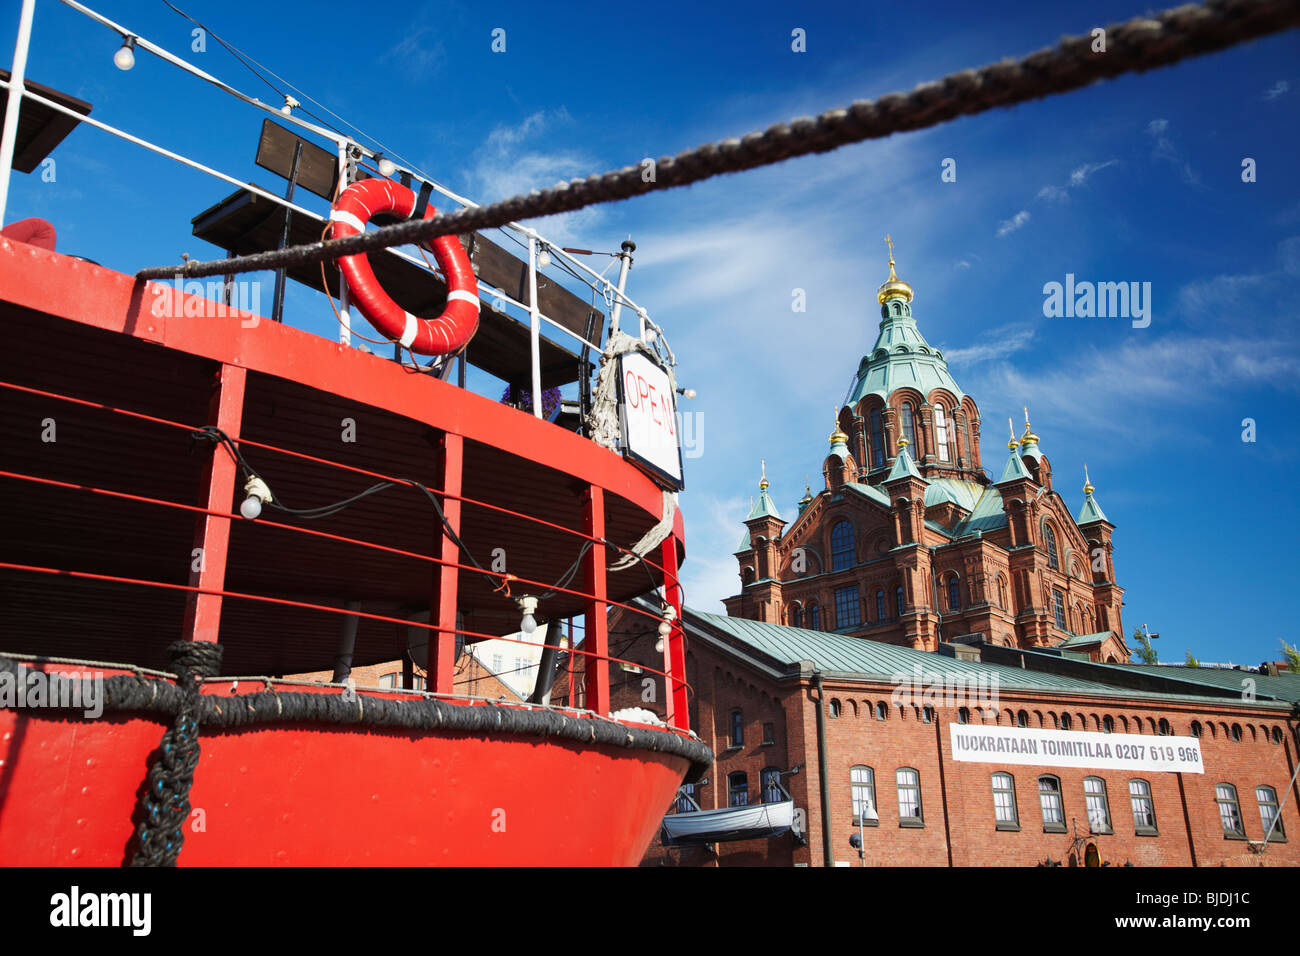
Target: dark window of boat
<point>738,789</point>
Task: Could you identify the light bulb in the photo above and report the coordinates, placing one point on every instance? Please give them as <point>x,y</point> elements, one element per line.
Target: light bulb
<point>659,646</point>
<point>258,494</point>
<point>528,624</point>
<point>665,628</point>
<point>289,104</point>
<point>689,393</point>
<point>543,259</point>
<point>527,605</point>
<point>251,507</point>
<point>124,58</point>
<point>387,167</point>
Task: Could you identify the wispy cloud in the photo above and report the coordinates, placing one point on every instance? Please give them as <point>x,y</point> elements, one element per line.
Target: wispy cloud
<point>1078,177</point>
<point>999,343</point>
<point>1008,226</point>
<point>1164,150</point>
<point>1276,90</point>
<point>418,54</point>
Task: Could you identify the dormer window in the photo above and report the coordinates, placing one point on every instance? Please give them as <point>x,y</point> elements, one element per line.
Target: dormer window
<point>941,432</point>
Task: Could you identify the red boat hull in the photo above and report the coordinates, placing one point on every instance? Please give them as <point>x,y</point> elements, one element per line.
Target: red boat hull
<point>331,795</point>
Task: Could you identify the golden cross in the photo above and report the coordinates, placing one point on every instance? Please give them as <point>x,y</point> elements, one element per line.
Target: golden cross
<point>889,242</point>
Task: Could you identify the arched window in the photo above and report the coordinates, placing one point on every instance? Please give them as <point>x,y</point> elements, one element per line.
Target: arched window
<point>1236,733</point>
<point>848,607</point>
<point>1094,795</point>
<point>814,618</point>
<point>909,798</point>
<point>841,546</point>
<point>1196,728</point>
<point>1049,541</point>
<point>1225,794</point>
<point>1049,797</point>
<point>877,439</point>
<point>880,606</point>
<point>835,708</point>
<point>941,433</point>
<point>954,593</point>
<point>1022,719</point>
<point>770,781</point>
<point>1065,721</point>
<point>862,784</point>
<point>1144,811</point>
<point>900,601</point>
<point>908,431</point>
<point>738,789</point>
<point>796,616</point>
<point>1164,729</point>
<point>882,711</point>
<point>1272,823</point>
<point>737,729</point>
<point>1002,592</point>
<point>1058,606</point>
<point>963,715</point>
<point>1004,802</point>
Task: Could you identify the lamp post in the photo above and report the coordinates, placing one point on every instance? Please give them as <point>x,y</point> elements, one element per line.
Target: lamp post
<point>858,840</point>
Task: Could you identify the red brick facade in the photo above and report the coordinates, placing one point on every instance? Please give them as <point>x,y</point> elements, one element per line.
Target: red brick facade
<point>959,826</point>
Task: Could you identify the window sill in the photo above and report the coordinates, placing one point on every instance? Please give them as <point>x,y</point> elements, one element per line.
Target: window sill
<point>1146,833</point>
<point>866,823</point>
<point>1234,836</point>
<point>1009,827</point>
<point>732,747</point>
<point>1106,832</point>
<point>767,743</point>
<point>1276,838</point>
<point>912,823</point>
<point>1054,828</point>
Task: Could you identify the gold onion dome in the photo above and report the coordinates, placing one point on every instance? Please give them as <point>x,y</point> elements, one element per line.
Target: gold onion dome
<point>1015,442</point>
<point>894,287</point>
<point>1028,438</point>
<point>1087,482</point>
<point>838,437</point>
<point>762,482</point>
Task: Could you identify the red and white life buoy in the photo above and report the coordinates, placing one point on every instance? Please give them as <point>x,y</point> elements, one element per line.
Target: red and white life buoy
<point>448,332</point>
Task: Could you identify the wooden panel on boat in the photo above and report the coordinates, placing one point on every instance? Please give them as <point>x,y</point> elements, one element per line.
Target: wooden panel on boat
<point>40,128</point>
<point>244,223</point>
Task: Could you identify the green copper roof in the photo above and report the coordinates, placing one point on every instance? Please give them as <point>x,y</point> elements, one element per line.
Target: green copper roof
<point>745,544</point>
<point>964,494</point>
<point>1085,640</point>
<point>1015,469</point>
<point>987,515</point>
<point>1091,511</point>
<point>764,507</point>
<point>903,466</point>
<point>843,654</point>
<point>901,358</point>
<point>1281,687</point>
<point>869,491</point>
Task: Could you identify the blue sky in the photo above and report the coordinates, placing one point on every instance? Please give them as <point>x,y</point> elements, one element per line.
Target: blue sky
<point>1134,180</point>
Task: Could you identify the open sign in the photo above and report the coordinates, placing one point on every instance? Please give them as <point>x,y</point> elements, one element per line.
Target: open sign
<point>648,413</point>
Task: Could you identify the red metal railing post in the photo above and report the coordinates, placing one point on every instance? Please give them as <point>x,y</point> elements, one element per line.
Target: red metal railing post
<point>595,640</point>
<point>442,643</point>
<point>677,709</point>
<point>212,532</point>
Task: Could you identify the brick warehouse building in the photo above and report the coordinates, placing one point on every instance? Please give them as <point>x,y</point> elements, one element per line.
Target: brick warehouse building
<point>756,702</point>
<point>912,568</point>
<point>911,542</point>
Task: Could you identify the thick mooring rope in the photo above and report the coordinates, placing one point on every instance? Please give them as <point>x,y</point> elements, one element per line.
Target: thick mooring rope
<point>1134,46</point>
<point>165,803</point>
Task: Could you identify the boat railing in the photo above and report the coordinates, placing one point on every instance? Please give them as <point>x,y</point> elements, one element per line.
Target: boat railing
<point>592,666</point>
<point>349,151</point>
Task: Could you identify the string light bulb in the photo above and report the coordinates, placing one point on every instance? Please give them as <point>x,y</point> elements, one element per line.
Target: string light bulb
<point>289,105</point>
<point>527,606</point>
<point>124,58</point>
<point>543,258</point>
<point>386,166</point>
<point>258,493</point>
<point>665,626</point>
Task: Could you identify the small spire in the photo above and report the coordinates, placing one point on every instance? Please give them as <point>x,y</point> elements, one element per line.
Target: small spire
<point>890,242</point>
<point>1028,438</point>
<point>1015,442</point>
<point>807,492</point>
<point>902,442</point>
<point>1088,489</point>
<point>762,482</point>
<point>838,437</point>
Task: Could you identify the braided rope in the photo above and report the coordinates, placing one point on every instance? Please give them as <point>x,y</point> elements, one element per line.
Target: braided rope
<point>1137,45</point>
<point>165,802</point>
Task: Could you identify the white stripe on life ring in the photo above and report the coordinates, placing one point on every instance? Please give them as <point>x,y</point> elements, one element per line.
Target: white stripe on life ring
<point>460,295</point>
<point>339,215</point>
<point>408,335</point>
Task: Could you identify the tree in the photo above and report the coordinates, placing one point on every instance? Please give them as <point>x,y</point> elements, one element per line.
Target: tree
<point>1145,652</point>
<point>1192,661</point>
<point>1292,657</point>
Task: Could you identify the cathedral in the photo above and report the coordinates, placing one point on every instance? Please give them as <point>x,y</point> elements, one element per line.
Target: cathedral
<point>911,542</point>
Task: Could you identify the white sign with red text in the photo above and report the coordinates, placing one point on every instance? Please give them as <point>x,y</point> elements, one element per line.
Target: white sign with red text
<point>649,417</point>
